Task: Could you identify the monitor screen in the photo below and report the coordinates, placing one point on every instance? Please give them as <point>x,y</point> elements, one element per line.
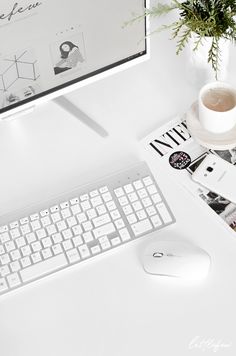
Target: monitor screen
<point>48,45</point>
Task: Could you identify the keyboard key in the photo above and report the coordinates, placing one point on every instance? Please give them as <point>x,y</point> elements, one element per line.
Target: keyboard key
<point>156,198</point>
<point>96,201</point>
<point>25,229</point>
<point>105,245</point>
<point>142,193</point>
<point>119,224</point>
<point>73,255</point>
<point>42,268</point>
<point>2,250</point>
<point>57,249</point>
<point>141,214</point>
<point>141,227</point>
<point>4,271</point>
<point>77,241</point>
<point>71,221</point>
<point>119,192</point>
<point>15,255</point>
<point>15,233</point>
<point>9,246</point>
<point>95,250</point>
<point>81,218</point>
<point>115,241</point>
<point>3,285</point>
<point>147,202</point>
<point>147,181</point>
<point>132,218</point>
<point>76,209</point>
<point>51,229</point>
<point>4,237</point>
<point>15,266</point>
<point>84,251</point>
<point>57,238</point>
<point>87,226</point>
<point>35,225</point>
<point>103,189</point>
<point>151,210</point>
<point>92,213</point>
<point>61,225</point>
<point>74,201</point>
<point>36,257</point>
<point>67,245</point>
<point>41,234</point>
<point>123,201</point>
<point>162,209</point>
<point>94,193</point>
<point>26,250</point>
<point>101,209</point>
<point>5,259</point>
<point>152,189</point>
<point>138,184</point>
<point>45,221</point>
<point>46,253</point>
<point>115,214</point>
<point>128,188</point>
<point>88,237</point>
<point>104,230</point>
<point>47,242</point>
<point>25,262</point>
<point>101,220</point>
<point>20,242</point>
<point>77,230</point>
<point>137,205</point>
<point>30,237</point>
<point>67,234</point>
<point>64,205</point>
<point>128,209</point>
<point>124,234</point>
<point>111,205</point>
<point>132,197</point>
<point>156,221</point>
<point>65,213</point>
<point>13,280</point>
<point>85,205</point>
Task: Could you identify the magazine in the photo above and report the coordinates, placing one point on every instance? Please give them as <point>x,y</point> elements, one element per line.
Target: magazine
<point>179,154</point>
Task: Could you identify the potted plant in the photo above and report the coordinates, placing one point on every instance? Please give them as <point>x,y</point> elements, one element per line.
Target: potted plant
<point>203,23</point>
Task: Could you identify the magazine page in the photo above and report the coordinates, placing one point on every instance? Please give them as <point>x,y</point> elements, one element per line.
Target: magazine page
<point>179,154</point>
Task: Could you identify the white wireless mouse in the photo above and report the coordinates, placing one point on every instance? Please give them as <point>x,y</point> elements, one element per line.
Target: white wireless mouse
<point>176,259</point>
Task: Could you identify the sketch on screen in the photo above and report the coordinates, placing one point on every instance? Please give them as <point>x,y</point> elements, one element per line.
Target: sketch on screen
<point>68,54</point>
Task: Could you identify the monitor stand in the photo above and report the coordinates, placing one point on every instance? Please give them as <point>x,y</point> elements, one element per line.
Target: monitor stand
<point>67,105</point>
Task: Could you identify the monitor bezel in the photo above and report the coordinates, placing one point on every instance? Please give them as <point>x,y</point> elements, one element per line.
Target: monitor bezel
<point>72,85</point>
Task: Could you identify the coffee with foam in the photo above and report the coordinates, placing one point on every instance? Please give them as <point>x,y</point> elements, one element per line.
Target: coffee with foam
<point>219,99</point>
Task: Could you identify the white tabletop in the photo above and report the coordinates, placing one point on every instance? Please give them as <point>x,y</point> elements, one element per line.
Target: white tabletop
<point>110,306</point>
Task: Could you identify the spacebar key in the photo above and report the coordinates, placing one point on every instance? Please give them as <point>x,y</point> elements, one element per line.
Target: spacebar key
<point>43,268</point>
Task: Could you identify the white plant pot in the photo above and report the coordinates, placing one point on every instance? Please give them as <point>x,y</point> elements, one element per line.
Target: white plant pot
<point>201,72</point>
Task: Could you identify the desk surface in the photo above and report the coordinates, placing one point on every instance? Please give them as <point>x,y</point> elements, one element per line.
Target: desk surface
<point>110,306</point>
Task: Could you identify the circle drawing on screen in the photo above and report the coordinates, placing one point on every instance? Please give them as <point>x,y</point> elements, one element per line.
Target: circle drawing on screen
<point>70,57</point>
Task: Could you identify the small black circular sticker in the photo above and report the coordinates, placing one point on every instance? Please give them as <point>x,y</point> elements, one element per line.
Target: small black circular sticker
<point>179,160</point>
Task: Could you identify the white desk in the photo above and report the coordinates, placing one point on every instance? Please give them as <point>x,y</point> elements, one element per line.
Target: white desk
<point>110,307</point>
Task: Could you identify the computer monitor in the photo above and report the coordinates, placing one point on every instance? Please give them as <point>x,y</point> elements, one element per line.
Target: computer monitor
<point>51,47</point>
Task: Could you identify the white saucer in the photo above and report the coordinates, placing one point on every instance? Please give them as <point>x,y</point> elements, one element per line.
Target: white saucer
<point>223,141</point>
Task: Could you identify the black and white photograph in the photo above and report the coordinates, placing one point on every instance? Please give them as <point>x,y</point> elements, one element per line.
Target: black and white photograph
<point>227,155</point>
<point>195,164</point>
<point>68,54</point>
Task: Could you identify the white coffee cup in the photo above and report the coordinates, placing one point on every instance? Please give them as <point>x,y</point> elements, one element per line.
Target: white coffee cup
<point>217,107</point>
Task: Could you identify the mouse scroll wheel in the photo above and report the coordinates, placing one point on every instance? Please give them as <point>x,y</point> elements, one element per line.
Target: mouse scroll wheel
<point>158,254</point>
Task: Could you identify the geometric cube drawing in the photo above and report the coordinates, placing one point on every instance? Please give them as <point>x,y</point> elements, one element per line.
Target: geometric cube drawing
<point>20,66</point>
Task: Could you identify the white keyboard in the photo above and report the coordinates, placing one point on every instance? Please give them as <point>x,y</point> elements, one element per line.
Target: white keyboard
<point>92,220</point>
